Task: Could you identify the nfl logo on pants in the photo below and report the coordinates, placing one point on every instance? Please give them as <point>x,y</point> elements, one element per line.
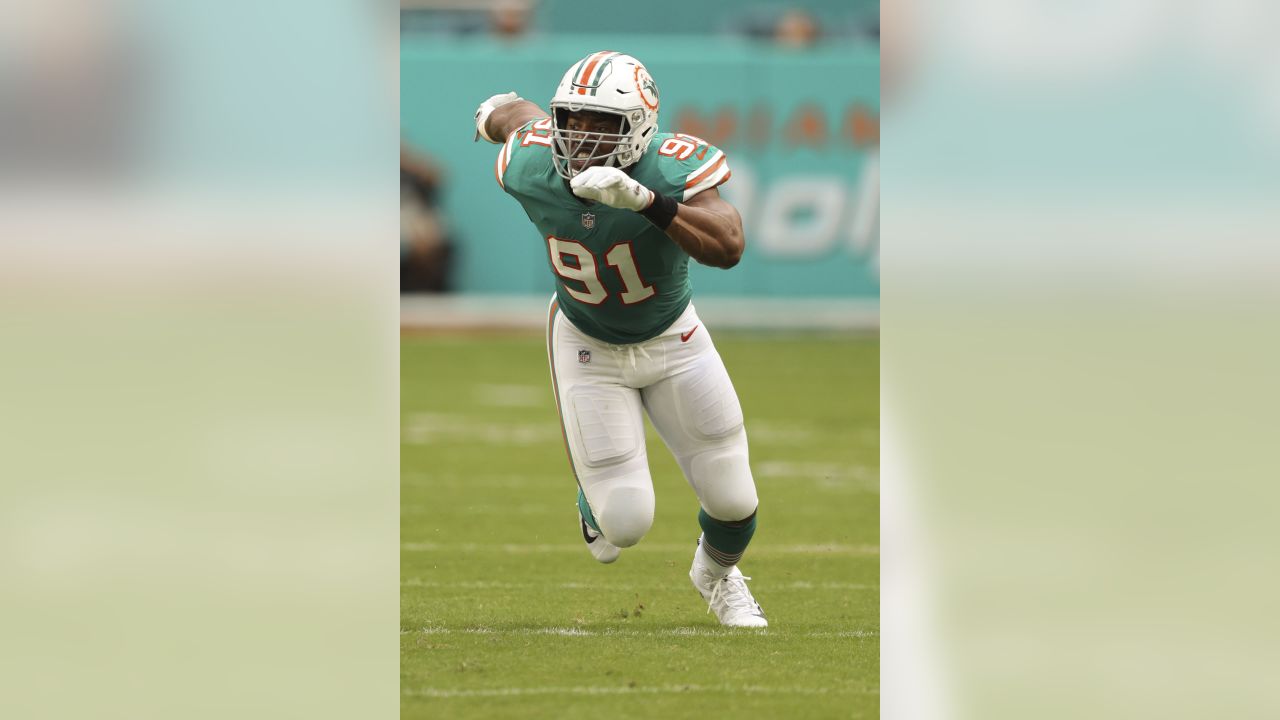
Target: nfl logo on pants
<point>584,356</point>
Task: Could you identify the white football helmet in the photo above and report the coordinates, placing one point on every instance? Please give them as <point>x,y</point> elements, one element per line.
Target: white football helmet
<point>605,82</point>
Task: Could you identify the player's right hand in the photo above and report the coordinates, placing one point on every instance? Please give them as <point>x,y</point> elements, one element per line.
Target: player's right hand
<point>611,186</point>
<point>486,109</point>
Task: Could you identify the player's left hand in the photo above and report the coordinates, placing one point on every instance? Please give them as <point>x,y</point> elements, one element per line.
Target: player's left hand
<point>611,186</point>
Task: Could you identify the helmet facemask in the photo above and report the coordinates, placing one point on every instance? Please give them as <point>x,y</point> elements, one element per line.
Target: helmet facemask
<point>609,85</point>
<point>573,151</point>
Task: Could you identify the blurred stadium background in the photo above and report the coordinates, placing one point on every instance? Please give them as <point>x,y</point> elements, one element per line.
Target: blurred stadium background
<point>790,91</point>
<point>503,614</point>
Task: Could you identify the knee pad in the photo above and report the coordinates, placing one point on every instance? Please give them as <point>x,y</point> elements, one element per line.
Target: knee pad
<point>625,514</point>
<point>722,479</point>
<point>622,505</point>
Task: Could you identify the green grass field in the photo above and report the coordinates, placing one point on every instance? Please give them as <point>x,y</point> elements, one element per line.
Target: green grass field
<point>503,612</point>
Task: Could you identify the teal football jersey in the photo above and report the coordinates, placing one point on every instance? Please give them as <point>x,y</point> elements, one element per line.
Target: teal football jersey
<point>618,277</point>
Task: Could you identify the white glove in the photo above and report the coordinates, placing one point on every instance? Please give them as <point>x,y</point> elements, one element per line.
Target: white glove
<point>486,109</point>
<point>611,186</point>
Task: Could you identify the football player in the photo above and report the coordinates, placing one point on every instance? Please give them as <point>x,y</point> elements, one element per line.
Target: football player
<point>621,209</point>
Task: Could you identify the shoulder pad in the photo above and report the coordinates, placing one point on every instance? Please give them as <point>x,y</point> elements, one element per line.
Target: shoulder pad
<point>535,134</point>
<point>689,163</point>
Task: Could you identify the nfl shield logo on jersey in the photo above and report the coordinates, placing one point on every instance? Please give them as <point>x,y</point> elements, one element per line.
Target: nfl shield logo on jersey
<point>584,356</point>
<point>588,222</point>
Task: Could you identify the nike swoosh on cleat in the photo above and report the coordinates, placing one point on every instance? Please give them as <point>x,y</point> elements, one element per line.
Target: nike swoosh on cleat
<point>684,337</point>
<point>585,535</point>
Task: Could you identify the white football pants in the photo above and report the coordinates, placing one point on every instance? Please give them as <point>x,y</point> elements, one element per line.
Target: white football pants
<point>679,379</point>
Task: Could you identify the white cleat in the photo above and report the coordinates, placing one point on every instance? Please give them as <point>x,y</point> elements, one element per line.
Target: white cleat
<point>602,550</point>
<point>728,596</point>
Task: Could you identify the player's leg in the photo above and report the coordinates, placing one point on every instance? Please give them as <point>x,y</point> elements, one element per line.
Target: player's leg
<point>698,416</point>
<point>603,430</point>
<point>696,411</point>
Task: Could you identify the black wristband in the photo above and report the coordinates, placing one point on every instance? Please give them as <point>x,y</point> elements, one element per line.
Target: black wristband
<point>661,211</point>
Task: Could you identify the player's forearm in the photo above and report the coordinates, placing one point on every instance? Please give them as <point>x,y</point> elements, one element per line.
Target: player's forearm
<point>711,237</point>
<point>507,118</point>
<point>706,226</point>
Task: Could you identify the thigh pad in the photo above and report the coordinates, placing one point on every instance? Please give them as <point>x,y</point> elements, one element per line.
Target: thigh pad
<point>708,404</point>
<point>607,423</point>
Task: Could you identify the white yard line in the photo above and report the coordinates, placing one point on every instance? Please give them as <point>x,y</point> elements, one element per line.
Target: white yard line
<point>435,480</point>
<point>627,690</point>
<point>512,395</point>
<point>826,475</point>
<point>534,548</point>
<point>442,428</point>
<point>630,632</point>
<point>501,585</point>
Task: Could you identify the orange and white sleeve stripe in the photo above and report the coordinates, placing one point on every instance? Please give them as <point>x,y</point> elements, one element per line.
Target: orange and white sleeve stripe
<point>504,159</point>
<point>713,172</point>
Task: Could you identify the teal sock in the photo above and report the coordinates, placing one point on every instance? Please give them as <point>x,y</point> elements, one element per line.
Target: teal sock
<point>725,540</point>
<point>585,509</point>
